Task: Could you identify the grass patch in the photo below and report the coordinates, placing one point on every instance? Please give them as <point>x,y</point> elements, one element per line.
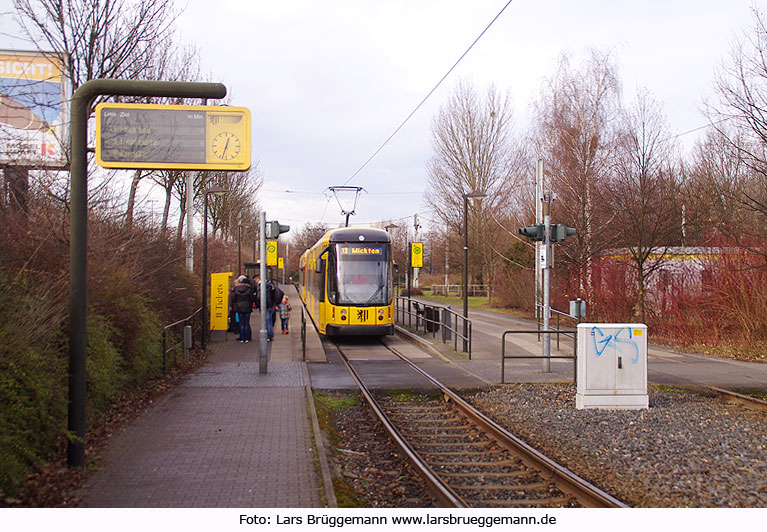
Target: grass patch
<point>477,303</point>
<point>346,497</point>
<point>327,404</point>
<point>409,396</point>
<point>756,394</point>
<point>670,389</point>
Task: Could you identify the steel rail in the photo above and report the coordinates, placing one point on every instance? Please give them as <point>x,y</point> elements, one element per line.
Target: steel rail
<point>587,494</point>
<point>753,403</point>
<point>439,489</point>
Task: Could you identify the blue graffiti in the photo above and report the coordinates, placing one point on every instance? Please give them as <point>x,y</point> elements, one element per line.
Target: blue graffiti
<point>604,340</point>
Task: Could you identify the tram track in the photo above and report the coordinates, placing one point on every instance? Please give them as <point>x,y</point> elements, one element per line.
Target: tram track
<point>466,459</point>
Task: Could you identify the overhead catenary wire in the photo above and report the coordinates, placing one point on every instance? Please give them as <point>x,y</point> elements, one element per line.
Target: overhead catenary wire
<point>417,107</point>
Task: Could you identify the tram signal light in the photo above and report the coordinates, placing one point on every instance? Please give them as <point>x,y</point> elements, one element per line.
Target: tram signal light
<point>560,232</point>
<point>274,229</point>
<point>533,232</point>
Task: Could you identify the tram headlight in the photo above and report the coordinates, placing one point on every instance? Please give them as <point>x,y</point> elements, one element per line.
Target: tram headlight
<point>380,314</point>
<point>343,314</point>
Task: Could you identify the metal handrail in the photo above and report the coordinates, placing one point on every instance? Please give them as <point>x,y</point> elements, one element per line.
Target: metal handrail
<point>472,289</point>
<point>165,349</point>
<point>540,357</point>
<point>453,325</point>
<point>557,313</point>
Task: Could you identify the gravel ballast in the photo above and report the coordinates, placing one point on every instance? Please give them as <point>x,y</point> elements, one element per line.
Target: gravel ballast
<point>686,450</point>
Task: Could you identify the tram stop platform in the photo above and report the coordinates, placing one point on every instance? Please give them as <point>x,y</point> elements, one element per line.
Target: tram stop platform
<point>227,436</point>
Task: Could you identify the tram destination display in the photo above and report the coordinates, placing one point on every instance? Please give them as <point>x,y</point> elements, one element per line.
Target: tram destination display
<point>172,137</point>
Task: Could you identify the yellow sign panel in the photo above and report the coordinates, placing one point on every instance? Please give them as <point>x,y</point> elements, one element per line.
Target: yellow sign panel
<point>271,253</point>
<point>416,255</point>
<point>219,301</point>
<point>176,137</point>
<point>281,263</point>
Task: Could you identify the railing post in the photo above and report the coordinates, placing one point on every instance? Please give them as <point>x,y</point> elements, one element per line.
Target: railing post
<point>163,351</point>
<point>455,328</point>
<point>575,356</point>
<point>470,337</point>
<point>503,356</point>
<point>187,340</point>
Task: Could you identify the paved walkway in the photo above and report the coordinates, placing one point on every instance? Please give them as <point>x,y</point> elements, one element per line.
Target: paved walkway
<point>227,436</point>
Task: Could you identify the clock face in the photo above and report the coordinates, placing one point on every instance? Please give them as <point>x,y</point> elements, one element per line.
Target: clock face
<point>226,146</point>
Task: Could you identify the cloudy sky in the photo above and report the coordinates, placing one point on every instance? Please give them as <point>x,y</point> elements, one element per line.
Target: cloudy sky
<point>328,82</point>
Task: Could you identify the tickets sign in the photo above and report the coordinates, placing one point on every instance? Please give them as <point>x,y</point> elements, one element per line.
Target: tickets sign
<point>219,301</point>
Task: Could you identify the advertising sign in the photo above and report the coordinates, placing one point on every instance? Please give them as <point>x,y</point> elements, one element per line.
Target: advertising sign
<point>178,137</point>
<point>34,109</point>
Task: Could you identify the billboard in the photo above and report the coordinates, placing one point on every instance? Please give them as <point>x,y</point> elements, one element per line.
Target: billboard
<point>34,109</point>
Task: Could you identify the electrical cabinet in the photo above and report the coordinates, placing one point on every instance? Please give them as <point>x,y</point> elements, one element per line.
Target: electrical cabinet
<point>612,366</point>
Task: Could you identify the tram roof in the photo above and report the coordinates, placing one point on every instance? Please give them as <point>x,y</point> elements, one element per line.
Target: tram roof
<point>357,234</point>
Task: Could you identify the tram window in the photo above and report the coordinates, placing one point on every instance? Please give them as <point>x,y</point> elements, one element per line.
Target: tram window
<point>321,278</point>
<point>332,279</point>
<point>363,274</point>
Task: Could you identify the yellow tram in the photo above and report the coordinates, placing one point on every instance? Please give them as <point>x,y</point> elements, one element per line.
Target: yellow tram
<point>346,282</point>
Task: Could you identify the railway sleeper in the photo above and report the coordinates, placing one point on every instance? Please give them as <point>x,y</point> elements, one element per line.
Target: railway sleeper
<point>501,487</point>
<point>448,422</point>
<point>530,503</point>
<point>496,465</point>
<point>455,444</point>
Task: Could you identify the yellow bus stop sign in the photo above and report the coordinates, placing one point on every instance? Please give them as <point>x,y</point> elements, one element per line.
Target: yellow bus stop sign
<point>271,253</point>
<point>281,263</point>
<point>416,255</point>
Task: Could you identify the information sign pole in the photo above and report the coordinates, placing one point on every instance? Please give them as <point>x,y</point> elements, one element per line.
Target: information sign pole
<point>262,347</point>
<point>82,101</point>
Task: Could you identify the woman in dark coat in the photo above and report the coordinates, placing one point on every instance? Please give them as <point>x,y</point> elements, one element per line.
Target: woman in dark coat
<point>241,302</point>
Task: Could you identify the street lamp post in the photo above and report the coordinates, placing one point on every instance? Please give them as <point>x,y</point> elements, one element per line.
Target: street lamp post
<point>217,191</point>
<point>475,195</point>
<point>239,248</point>
<point>393,226</point>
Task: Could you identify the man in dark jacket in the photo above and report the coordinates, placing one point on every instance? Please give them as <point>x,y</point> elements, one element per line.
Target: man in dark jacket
<point>241,302</point>
<point>270,307</point>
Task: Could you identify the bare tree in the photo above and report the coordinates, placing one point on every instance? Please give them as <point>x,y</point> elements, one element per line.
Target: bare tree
<point>716,177</point>
<point>118,39</point>
<point>237,206</point>
<point>473,150</point>
<point>302,239</point>
<point>576,138</point>
<point>644,193</point>
<point>173,64</point>
<point>740,119</point>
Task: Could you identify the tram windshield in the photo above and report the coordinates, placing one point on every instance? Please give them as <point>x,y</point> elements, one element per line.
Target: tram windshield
<point>363,275</point>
